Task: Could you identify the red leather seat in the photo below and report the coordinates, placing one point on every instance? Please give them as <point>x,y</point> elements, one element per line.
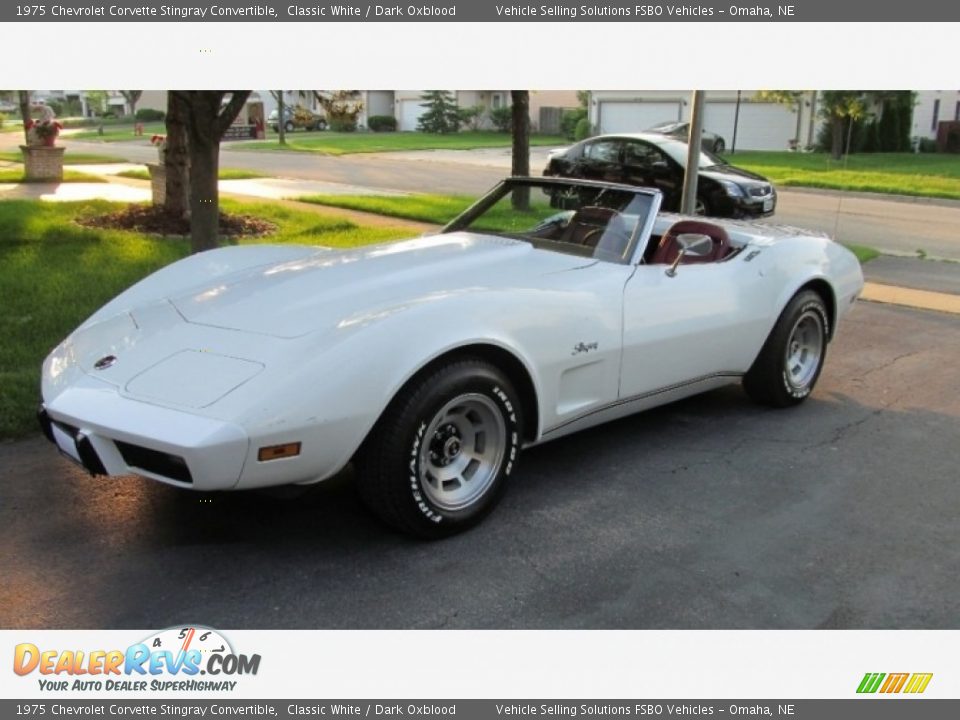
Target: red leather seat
<point>669,247</point>
<point>586,226</point>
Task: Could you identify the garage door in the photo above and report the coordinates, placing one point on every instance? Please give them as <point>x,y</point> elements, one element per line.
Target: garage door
<point>620,117</point>
<point>410,112</point>
<point>761,126</point>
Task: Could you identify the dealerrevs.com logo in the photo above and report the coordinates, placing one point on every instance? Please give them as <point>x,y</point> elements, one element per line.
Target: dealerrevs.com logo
<point>176,659</point>
<point>892,683</point>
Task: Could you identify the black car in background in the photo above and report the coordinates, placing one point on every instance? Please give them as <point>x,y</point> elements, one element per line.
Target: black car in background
<point>681,131</point>
<point>659,162</point>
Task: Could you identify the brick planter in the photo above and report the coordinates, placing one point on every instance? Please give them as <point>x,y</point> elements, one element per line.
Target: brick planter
<point>158,183</point>
<point>42,163</point>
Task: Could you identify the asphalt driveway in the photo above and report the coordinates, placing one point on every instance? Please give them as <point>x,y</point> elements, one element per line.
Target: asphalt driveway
<point>710,513</point>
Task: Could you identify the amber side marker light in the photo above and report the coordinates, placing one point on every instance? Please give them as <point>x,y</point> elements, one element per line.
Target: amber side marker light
<point>276,452</point>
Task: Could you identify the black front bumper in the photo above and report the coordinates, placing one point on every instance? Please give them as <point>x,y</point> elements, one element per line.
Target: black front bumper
<point>89,459</point>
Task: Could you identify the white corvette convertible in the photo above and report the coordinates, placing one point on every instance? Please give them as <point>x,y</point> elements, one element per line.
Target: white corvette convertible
<point>547,307</point>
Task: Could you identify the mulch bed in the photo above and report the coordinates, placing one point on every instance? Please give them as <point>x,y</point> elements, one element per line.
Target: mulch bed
<point>154,220</point>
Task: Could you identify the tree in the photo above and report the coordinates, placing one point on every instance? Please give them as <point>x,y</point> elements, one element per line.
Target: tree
<point>442,115</point>
<point>342,108</point>
<point>281,120</point>
<point>208,114</point>
<point>176,158</point>
<point>23,99</point>
<point>96,101</point>
<point>132,97</point>
<point>841,109</point>
<point>520,128</point>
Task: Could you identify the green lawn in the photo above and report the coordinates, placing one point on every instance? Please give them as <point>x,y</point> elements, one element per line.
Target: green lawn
<point>55,273</point>
<point>333,143</point>
<point>118,133</point>
<point>919,174</point>
<point>70,158</point>
<point>225,174</point>
<point>15,175</point>
<point>436,209</point>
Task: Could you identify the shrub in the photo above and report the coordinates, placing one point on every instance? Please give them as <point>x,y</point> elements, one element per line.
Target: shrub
<point>927,145</point>
<point>149,115</point>
<point>343,123</point>
<point>382,123</point>
<point>569,120</point>
<point>583,129</point>
<point>472,117</point>
<point>502,118</point>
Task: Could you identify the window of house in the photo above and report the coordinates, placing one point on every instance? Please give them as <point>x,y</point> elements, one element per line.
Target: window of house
<point>936,114</point>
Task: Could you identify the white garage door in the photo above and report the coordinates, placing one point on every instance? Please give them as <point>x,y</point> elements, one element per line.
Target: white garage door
<point>761,126</point>
<point>410,112</point>
<point>622,117</point>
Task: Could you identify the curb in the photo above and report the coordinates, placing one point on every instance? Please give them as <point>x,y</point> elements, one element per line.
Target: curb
<point>907,297</point>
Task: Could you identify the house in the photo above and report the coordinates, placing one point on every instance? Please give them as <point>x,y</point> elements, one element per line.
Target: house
<point>759,125</point>
<point>407,105</point>
<point>933,107</point>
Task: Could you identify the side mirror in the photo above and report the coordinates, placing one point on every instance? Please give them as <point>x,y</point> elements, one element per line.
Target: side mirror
<point>692,244</point>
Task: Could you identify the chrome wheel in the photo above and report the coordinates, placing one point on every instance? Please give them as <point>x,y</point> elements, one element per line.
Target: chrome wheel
<point>462,451</point>
<point>700,207</point>
<point>804,350</point>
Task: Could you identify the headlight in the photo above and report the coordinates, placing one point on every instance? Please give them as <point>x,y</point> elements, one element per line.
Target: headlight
<point>733,190</point>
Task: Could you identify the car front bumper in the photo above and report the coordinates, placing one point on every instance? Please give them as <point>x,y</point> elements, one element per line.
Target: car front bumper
<point>107,434</point>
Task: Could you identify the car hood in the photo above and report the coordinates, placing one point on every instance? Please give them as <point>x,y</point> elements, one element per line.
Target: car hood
<point>325,289</point>
<point>729,172</point>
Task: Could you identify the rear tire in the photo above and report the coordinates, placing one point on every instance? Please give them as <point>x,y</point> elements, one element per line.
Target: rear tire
<point>439,458</point>
<point>789,364</point>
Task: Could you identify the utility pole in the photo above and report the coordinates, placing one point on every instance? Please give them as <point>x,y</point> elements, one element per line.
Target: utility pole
<point>689,205</point>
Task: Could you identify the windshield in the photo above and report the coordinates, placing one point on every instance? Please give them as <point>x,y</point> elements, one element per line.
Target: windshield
<point>678,152</point>
<point>593,221</point>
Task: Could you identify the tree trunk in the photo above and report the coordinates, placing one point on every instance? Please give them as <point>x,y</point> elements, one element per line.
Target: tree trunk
<point>281,121</point>
<point>23,98</point>
<point>204,196</point>
<point>836,145</point>
<point>176,160</point>
<point>520,164</point>
<point>209,119</point>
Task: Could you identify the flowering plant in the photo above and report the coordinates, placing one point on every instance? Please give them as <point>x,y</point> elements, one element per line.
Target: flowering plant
<point>160,142</point>
<point>47,129</point>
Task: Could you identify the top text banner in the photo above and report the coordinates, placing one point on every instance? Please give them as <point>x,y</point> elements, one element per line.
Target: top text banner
<point>852,11</point>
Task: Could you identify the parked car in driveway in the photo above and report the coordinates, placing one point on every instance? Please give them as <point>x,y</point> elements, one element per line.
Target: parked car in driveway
<point>297,117</point>
<point>681,131</point>
<point>432,362</point>
<point>657,161</point>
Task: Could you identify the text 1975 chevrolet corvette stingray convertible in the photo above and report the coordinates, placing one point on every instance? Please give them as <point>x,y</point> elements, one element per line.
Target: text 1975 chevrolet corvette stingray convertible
<point>547,307</point>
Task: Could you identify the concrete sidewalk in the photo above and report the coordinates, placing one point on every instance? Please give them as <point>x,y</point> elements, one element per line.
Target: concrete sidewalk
<point>909,282</point>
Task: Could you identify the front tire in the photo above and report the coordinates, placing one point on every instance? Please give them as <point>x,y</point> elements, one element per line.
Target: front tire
<point>719,146</point>
<point>788,367</point>
<point>438,459</point>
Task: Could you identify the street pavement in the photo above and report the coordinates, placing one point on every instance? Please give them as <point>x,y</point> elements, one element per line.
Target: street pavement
<point>708,513</point>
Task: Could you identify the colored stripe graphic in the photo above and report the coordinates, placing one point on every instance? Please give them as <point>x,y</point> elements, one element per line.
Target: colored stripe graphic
<point>918,683</point>
<point>894,683</point>
<point>870,682</point>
